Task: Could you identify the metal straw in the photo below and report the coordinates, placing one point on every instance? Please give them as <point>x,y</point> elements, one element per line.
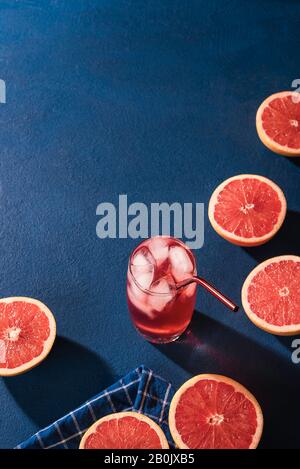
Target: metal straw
<point>200,281</point>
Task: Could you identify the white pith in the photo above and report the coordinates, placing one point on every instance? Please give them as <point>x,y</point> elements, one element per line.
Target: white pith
<point>13,333</point>
<point>216,419</point>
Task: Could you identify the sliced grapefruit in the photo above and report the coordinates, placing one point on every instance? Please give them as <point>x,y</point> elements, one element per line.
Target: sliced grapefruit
<point>278,123</point>
<point>27,333</point>
<point>124,430</point>
<point>215,412</point>
<point>271,295</point>
<point>247,209</point>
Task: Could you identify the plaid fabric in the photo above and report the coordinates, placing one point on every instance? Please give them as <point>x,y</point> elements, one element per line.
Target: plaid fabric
<point>141,390</point>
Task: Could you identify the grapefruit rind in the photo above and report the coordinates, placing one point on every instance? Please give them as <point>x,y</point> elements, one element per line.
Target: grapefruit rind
<point>292,329</point>
<point>266,140</point>
<point>47,344</point>
<point>118,415</point>
<point>219,378</point>
<point>239,240</point>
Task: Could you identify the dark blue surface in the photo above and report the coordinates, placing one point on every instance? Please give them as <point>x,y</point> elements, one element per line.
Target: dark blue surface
<point>156,100</point>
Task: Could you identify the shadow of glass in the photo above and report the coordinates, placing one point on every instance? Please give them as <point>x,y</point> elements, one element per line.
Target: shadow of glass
<point>295,160</point>
<point>286,241</point>
<point>211,347</point>
<point>70,375</point>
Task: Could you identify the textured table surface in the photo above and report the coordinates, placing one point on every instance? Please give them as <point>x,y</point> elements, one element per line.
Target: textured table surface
<point>155,100</point>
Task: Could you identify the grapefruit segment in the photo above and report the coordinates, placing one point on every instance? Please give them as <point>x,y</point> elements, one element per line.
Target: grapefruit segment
<point>278,123</point>
<point>271,297</point>
<point>215,412</point>
<point>124,430</point>
<point>27,333</point>
<point>247,209</point>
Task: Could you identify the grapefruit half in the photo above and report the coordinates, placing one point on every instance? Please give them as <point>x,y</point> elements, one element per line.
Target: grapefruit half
<point>215,412</point>
<point>247,209</point>
<point>27,333</point>
<point>124,430</point>
<point>278,123</point>
<point>271,295</point>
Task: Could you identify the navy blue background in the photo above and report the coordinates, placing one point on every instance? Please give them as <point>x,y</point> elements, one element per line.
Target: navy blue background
<point>155,99</point>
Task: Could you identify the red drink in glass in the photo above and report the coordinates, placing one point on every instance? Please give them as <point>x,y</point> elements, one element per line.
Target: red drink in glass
<point>160,311</point>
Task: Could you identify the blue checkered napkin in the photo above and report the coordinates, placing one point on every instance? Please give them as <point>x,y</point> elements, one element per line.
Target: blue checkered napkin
<point>141,390</point>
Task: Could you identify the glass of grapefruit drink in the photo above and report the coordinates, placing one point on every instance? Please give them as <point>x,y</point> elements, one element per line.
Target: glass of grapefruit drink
<point>161,288</point>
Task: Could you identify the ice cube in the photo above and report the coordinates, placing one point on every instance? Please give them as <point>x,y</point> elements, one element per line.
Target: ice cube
<point>163,291</point>
<point>181,264</point>
<point>142,267</point>
<point>143,258</point>
<point>190,290</point>
<point>139,299</point>
<point>159,249</point>
<point>143,277</point>
<point>162,286</point>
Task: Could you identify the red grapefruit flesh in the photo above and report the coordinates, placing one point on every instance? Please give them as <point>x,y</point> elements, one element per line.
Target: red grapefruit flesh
<point>27,333</point>
<point>247,209</point>
<point>215,412</point>
<point>278,123</point>
<point>271,295</point>
<point>124,430</point>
